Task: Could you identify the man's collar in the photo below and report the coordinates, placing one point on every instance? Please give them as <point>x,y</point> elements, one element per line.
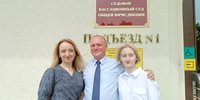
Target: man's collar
<point>103,60</point>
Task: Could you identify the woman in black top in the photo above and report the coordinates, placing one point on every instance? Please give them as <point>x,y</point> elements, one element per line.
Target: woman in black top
<point>64,80</point>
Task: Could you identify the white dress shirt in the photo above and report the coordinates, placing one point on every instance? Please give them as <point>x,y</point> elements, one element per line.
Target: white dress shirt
<point>110,71</point>
<point>136,86</point>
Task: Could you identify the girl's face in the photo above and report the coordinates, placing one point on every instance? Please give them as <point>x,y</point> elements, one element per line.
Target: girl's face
<point>128,57</point>
<point>67,53</point>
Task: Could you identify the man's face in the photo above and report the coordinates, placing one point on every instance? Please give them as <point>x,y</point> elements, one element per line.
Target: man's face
<point>98,47</point>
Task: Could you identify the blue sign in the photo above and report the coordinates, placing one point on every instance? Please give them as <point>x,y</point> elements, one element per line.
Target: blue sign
<point>189,52</point>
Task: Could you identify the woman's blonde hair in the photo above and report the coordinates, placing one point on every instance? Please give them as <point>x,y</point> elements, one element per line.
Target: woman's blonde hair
<point>77,64</point>
<point>131,47</point>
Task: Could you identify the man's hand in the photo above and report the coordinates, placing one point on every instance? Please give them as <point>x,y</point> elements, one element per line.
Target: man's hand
<point>150,74</point>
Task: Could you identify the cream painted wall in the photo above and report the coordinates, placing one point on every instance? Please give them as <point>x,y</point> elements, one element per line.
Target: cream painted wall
<point>29,30</point>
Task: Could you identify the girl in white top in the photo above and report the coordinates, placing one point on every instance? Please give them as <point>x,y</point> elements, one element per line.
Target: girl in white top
<point>133,83</point>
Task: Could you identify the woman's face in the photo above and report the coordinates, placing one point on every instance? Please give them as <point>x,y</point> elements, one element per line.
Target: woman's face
<point>128,57</point>
<point>67,53</point>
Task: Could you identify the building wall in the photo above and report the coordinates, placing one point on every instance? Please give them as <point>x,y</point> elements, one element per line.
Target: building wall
<point>29,30</point>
